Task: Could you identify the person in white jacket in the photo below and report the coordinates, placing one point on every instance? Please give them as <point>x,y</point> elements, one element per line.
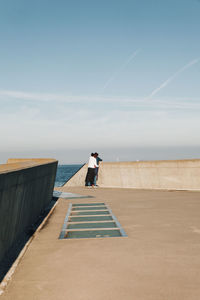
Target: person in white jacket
<point>92,164</point>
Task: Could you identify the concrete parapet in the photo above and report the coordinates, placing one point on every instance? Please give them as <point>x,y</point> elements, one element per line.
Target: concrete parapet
<point>26,188</point>
<point>79,178</point>
<point>169,174</point>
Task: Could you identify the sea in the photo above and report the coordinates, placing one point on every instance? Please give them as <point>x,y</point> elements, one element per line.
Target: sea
<point>64,173</point>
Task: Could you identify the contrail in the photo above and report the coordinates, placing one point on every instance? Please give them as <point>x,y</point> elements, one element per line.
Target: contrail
<point>165,83</point>
<point>130,58</point>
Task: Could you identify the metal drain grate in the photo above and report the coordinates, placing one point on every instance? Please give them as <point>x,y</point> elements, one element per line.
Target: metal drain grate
<point>90,220</point>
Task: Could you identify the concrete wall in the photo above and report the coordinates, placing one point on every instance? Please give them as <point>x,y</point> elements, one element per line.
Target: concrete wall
<point>79,178</point>
<point>26,188</point>
<point>173,174</point>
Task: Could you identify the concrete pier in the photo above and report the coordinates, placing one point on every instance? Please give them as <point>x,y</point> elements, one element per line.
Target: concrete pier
<point>158,260</point>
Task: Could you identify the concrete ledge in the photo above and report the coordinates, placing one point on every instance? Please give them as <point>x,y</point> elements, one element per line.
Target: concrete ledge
<point>14,164</point>
<point>170,175</point>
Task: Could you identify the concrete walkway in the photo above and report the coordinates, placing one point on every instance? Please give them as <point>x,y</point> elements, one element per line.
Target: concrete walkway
<point>159,260</point>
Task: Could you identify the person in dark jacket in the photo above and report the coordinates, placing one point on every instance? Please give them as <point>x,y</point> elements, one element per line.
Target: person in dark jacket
<point>98,159</point>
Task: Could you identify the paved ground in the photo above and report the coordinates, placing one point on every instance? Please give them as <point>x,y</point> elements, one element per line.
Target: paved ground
<point>159,260</point>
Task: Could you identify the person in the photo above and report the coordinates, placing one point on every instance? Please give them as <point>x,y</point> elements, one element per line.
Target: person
<point>92,164</point>
<point>98,159</point>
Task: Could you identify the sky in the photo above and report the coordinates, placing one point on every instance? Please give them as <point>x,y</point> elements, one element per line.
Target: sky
<point>118,77</point>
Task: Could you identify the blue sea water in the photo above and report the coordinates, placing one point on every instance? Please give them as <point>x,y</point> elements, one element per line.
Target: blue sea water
<point>65,172</point>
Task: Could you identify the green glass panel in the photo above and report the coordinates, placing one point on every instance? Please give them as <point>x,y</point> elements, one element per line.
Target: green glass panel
<point>82,213</point>
<point>92,234</point>
<point>92,225</point>
<point>88,204</point>
<point>84,219</point>
<point>89,208</point>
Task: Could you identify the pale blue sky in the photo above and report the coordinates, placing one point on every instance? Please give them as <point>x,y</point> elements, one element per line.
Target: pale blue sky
<point>118,77</point>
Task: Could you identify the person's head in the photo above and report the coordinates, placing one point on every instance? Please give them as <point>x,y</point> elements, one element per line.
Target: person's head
<point>96,154</point>
<point>92,154</point>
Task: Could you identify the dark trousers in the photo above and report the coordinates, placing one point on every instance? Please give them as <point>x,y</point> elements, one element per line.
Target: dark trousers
<point>90,176</point>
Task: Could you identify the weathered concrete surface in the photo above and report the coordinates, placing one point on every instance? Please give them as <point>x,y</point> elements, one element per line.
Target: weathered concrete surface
<point>172,174</point>
<point>159,260</point>
<point>79,178</point>
<point>26,188</point>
